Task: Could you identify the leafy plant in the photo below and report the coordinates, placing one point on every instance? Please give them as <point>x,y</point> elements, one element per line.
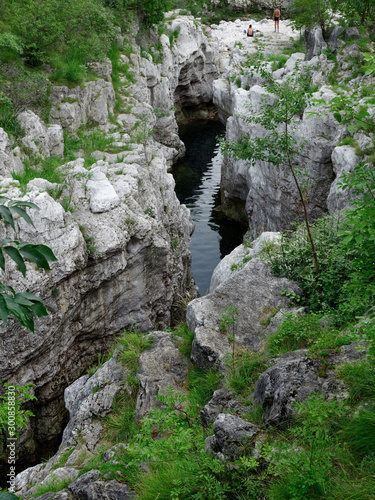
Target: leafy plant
<point>22,305</point>
<point>20,395</point>
<point>228,321</point>
<point>278,146</point>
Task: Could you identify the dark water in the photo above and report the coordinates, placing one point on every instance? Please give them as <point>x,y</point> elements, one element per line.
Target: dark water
<point>197,177</point>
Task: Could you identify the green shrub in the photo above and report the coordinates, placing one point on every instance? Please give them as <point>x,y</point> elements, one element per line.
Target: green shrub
<point>292,259</point>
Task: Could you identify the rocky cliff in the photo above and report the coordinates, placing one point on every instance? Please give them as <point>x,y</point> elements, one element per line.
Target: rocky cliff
<point>122,241</point>
<point>259,193</point>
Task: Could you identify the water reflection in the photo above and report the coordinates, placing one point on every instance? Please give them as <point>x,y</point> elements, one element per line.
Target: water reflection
<point>197,177</point>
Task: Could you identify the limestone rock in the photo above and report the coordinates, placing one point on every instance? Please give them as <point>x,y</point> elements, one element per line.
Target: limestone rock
<point>61,474</point>
<point>239,257</point>
<point>89,398</point>
<point>75,107</point>
<point>159,367</point>
<point>344,159</point>
<point>232,436</point>
<point>102,195</point>
<point>293,377</point>
<point>222,399</point>
<point>252,290</point>
<point>351,33</point>
<point>102,68</point>
<point>42,140</point>
<point>314,42</point>
<point>87,487</point>
<point>333,41</point>
<point>8,161</point>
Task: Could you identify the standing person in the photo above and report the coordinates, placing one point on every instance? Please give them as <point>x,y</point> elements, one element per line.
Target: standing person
<point>276,18</point>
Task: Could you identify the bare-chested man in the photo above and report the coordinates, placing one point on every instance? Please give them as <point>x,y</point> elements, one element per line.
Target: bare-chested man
<point>276,18</point>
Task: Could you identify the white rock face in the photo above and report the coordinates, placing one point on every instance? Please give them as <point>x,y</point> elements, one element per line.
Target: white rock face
<point>10,160</point>
<point>42,140</point>
<point>75,107</point>
<point>102,194</point>
<point>239,258</point>
<point>255,293</point>
<point>123,254</point>
<point>344,160</point>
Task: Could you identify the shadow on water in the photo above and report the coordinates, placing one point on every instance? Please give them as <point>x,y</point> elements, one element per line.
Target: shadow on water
<point>197,177</point>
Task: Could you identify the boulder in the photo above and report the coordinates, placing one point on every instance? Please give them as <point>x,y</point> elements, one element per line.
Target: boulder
<point>102,194</point>
<point>160,367</point>
<point>344,160</point>
<point>10,159</point>
<point>238,258</point>
<point>333,41</point>
<point>314,42</point>
<point>233,436</point>
<point>252,290</point>
<point>222,399</point>
<point>88,487</point>
<point>91,103</point>
<point>294,376</point>
<point>90,398</point>
<point>352,33</point>
<point>43,140</point>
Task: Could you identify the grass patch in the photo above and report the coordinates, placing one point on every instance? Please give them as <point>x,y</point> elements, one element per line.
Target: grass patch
<point>360,378</point>
<point>53,486</point>
<point>187,337</point>
<point>248,367</point>
<point>201,384</point>
<point>278,60</point>
<point>63,459</point>
<point>47,169</point>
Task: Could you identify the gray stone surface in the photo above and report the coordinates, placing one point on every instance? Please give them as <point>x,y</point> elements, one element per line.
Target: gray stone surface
<point>333,41</point>
<point>87,487</point>
<point>344,160</point>
<point>43,140</point>
<point>252,290</point>
<point>222,399</point>
<point>314,42</point>
<point>233,436</point>
<point>351,33</point>
<point>90,398</point>
<point>160,367</point>
<point>239,257</point>
<point>91,103</point>
<point>294,376</point>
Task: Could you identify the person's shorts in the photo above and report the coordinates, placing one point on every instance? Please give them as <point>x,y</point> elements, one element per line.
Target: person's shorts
<point>277,18</point>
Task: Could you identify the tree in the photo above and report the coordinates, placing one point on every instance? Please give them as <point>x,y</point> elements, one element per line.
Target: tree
<point>308,13</point>
<point>22,305</point>
<point>279,120</point>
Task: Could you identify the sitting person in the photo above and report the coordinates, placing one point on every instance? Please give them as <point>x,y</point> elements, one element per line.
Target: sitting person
<point>251,31</point>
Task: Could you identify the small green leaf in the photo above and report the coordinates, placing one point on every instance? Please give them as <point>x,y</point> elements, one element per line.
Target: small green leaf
<point>22,213</point>
<point>39,309</point>
<point>29,252</point>
<point>337,116</point>
<point>14,254</point>
<point>347,240</point>
<point>359,238</point>
<point>46,252</point>
<point>2,260</point>
<point>7,216</point>
<point>4,312</point>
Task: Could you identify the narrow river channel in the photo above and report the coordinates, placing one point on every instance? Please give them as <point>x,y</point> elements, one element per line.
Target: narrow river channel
<point>197,177</point>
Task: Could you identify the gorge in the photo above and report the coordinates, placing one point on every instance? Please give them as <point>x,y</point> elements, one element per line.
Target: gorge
<point>122,238</point>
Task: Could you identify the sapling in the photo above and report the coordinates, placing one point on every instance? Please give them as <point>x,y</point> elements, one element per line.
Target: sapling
<point>278,117</point>
<point>229,318</point>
